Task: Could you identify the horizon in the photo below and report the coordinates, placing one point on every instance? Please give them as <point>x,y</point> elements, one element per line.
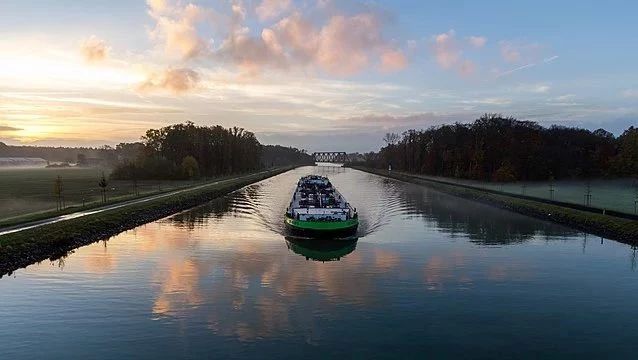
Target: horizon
<point>317,75</point>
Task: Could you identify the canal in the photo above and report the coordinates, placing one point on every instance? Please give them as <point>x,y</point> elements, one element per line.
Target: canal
<point>430,275</point>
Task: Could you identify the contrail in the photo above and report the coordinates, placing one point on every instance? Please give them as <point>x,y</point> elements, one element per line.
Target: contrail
<point>515,70</point>
<point>550,59</point>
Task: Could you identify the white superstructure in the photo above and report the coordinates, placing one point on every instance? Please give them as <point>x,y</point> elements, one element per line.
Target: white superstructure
<point>315,199</point>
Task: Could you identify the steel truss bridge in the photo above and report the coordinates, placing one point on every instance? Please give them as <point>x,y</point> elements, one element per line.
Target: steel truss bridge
<point>331,156</point>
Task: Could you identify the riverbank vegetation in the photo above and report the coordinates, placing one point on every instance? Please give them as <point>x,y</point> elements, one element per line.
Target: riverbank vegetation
<point>611,227</point>
<point>167,158</point>
<point>503,149</point>
<point>28,194</point>
<point>26,247</point>
<point>186,151</point>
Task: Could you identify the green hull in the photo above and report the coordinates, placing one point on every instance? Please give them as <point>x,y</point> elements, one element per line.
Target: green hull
<point>327,250</point>
<point>323,226</point>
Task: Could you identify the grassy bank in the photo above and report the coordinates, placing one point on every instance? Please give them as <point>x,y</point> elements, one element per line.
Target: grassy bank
<point>28,194</point>
<point>611,227</point>
<point>158,188</point>
<point>26,247</point>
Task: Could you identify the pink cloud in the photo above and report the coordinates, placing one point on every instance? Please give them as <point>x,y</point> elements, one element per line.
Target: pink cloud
<point>345,42</point>
<point>176,28</point>
<point>94,50</point>
<point>300,37</point>
<point>510,53</point>
<point>517,53</point>
<point>393,60</point>
<point>467,68</point>
<point>343,46</point>
<point>270,9</point>
<point>477,41</point>
<point>176,81</point>
<point>446,50</point>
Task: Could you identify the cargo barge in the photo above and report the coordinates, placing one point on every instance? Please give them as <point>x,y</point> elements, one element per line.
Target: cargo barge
<point>317,209</point>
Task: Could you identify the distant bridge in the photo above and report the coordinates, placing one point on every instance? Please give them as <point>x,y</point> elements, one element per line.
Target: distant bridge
<point>331,156</point>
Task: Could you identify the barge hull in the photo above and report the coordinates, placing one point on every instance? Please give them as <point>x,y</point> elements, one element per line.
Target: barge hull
<point>322,228</point>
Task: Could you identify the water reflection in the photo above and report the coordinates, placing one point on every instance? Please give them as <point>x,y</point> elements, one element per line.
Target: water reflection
<point>458,217</point>
<point>381,201</point>
<point>226,276</point>
<point>321,250</point>
<point>197,216</point>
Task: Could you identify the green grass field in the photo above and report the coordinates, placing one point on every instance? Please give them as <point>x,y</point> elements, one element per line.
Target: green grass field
<point>23,248</point>
<point>28,191</point>
<point>617,194</point>
<point>612,227</point>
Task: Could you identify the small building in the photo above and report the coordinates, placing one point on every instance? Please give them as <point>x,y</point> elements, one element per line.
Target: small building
<point>22,162</point>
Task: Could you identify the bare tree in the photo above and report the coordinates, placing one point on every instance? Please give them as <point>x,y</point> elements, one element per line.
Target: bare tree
<point>58,190</point>
<point>103,183</point>
<point>391,138</point>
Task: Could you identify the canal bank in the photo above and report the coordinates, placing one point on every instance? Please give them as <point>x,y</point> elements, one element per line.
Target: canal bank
<point>605,225</point>
<point>222,279</point>
<point>53,240</point>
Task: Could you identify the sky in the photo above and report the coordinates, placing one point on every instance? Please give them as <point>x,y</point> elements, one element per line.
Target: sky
<point>323,75</point>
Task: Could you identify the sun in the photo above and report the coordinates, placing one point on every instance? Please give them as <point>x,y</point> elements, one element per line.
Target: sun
<point>33,133</point>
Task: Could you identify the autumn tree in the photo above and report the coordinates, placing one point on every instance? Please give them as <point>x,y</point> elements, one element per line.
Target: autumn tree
<point>190,167</point>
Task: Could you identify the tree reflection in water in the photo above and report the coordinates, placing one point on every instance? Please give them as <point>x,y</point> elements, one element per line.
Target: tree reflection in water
<point>226,272</point>
<point>378,203</point>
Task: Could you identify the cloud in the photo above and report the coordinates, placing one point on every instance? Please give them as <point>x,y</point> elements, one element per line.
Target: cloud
<point>630,93</point>
<point>300,37</point>
<point>517,53</point>
<point>563,100</point>
<point>539,88</point>
<point>252,54</point>
<point>176,28</point>
<point>345,42</point>
<point>158,5</point>
<point>176,81</point>
<point>332,42</point>
<point>477,41</point>
<point>467,68</point>
<point>270,9</point>
<point>94,50</point>
<point>393,60</point>
<point>342,46</point>
<point>510,53</point>
<point>322,4</point>
<point>387,121</point>
<point>446,50</point>
<point>448,53</point>
<point>6,128</point>
<point>565,97</point>
<point>489,101</point>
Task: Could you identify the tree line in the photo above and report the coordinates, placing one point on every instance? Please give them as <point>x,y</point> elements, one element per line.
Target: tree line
<point>106,153</point>
<point>185,151</point>
<point>498,148</point>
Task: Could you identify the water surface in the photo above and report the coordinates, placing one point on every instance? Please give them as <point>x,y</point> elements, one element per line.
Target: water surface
<point>430,274</point>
